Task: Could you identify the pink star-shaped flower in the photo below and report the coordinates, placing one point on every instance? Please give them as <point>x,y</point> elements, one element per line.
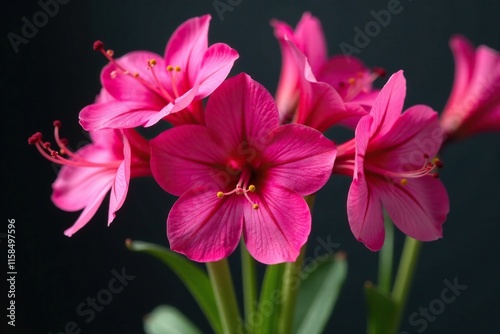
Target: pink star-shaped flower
<point>242,173</point>
<point>146,87</point>
<point>391,161</point>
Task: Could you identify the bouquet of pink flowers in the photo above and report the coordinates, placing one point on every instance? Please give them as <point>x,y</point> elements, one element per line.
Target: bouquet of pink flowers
<point>247,166</point>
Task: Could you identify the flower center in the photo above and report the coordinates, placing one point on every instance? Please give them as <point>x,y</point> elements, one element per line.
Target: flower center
<point>242,188</point>
<point>173,73</point>
<point>361,83</point>
<point>65,156</point>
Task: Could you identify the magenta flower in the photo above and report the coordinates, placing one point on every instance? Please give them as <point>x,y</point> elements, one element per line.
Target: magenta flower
<point>242,173</point>
<point>347,74</point>
<point>319,105</point>
<point>87,175</point>
<point>391,162</point>
<point>147,87</point>
<point>474,103</point>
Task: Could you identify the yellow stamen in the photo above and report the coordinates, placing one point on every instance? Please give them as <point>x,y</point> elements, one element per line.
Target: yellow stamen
<point>251,188</point>
<point>220,194</point>
<point>255,206</point>
<point>403,182</point>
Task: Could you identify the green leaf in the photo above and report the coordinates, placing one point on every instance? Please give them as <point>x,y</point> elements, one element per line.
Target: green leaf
<point>166,319</point>
<point>195,279</point>
<point>269,302</point>
<point>318,294</point>
<point>381,310</point>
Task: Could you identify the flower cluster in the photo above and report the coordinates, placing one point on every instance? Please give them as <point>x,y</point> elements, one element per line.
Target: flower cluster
<point>242,161</point>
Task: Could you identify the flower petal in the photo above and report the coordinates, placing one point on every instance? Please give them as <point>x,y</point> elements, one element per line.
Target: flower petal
<point>464,55</point>
<point>204,227</point>
<point>215,66</point>
<point>115,115</point>
<point>187,46</point>
<point>121,182</point>
<point>76,187</point>
<point>125,87</point>
<point>388,104</point>
<point>310,39</point>
<point>276,231</point>
<point>415,137</point>
<point>300,158</point>
<point>187,157</point>
<point>364,212</point>
<point>88,212</point>
<point>419,208</point>
<point>243,112</point>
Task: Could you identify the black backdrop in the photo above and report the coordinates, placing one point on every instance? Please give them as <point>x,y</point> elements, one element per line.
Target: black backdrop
<point>55,73</point>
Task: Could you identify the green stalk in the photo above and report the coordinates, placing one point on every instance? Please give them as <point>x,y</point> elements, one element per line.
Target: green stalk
<point>222,284</point>
<point>249,283</point>
<point>386,257</point>
<point>291,284</point>
<point>404,277</point>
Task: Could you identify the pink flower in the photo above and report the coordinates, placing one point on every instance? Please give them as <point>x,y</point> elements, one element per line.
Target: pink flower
<point>392,167</point>
<point>147,87</point>
<point>347,74</point>
<point>242,173</point>
<point>474,103</point>
<point>319,105</point>
<point>87,175</point>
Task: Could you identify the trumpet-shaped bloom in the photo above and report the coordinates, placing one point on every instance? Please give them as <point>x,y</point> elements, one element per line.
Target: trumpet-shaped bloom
<point>147,87</point>
<point>319,105</point>
<point>87,175</point>
<point>346,74</point>
<point>474,103</point>
<point>391,160</point>
<point>241,174</point>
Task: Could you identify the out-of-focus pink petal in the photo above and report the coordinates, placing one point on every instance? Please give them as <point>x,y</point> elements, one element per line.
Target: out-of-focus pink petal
<point>189,156</point>
<point>88,212</point>
<point>244,111</point>
<point>388,104</point>
<point>320,106</point>
<point>364,212</point>
<point>286,91</point>
<point>127,88</point>
<point>204,227</point>
<point>115,115</point>
<point>306,167</point>
<point>464,54</point>
<point>120,183</point>
<point>419,208</point>
<point>310,39</point>
<point>276,231</point>
<point>340,69</point>
<point>215,66</point>
<point>187,46</point>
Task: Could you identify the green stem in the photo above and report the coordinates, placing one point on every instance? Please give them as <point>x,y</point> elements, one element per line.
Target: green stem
<point>291,284</point>
<point>249,283</point>
<point>220,277</point>
<point>404,277</point>
<point>386,257</point>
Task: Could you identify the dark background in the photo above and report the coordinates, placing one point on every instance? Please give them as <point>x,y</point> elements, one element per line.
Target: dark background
<point>56,73</point>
